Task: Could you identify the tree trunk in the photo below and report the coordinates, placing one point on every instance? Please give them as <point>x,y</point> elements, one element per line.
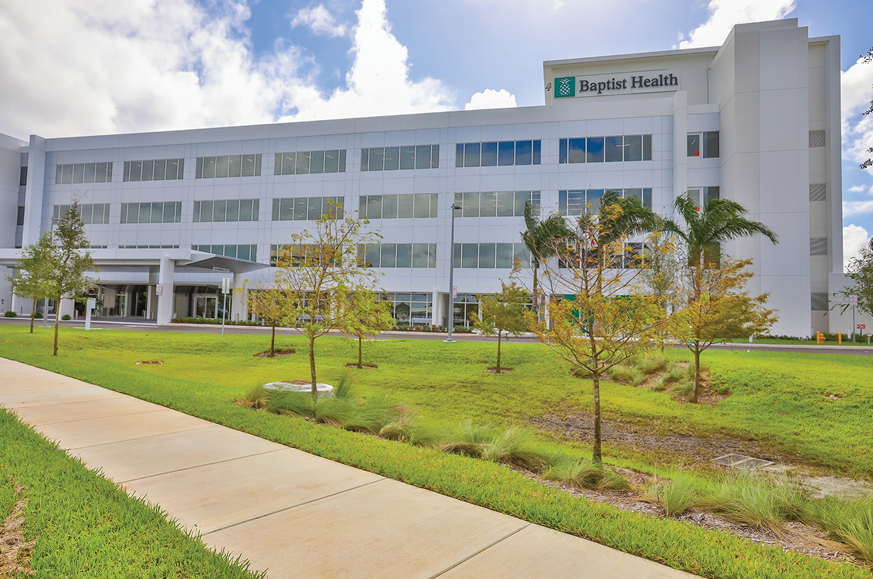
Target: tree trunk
<point>32,315</point>
<point>498,349</point>
<point>273,342</point>
<point>535,305</point>
<point>360,353</point>
<point>696,370</point>
<point>597,457</point>
<point>312,368</point>
<point>57,323</point>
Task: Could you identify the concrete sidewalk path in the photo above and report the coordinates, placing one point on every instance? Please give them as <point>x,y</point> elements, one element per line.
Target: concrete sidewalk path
<point>289,512</point>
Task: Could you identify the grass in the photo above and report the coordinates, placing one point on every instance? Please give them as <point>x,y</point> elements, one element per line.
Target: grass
<point>676,495</point>
<point>582,473</point>
<point>85,526</point>
<point>758,500</point>
<point>203,374</point>
<point>849,520</point>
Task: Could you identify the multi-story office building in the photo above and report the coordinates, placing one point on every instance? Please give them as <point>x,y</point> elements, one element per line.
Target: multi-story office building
<point>169,214</point>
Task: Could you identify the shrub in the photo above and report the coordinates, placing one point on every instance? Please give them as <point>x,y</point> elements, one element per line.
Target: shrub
<point>676,495</point>
<point>66,317</point>
<point>37,316</point>
<point>10,314</point>
<point>582,473</point>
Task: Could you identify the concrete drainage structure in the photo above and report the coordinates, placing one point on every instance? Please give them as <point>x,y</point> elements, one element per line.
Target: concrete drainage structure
<point>324,390</point>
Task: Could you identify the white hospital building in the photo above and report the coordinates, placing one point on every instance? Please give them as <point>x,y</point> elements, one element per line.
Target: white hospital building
<point>169,214</point>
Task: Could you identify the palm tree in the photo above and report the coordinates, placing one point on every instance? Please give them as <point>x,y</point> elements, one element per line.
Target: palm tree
<point>541,238</point>
<point>720,221</point>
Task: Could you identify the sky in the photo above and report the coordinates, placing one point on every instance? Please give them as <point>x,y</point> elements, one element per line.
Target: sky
<point>81,67</point>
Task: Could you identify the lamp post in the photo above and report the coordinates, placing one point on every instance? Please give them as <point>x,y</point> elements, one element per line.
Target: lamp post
<point>451,314</point>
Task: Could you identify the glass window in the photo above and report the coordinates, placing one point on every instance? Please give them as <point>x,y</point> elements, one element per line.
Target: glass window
<point>504,256</point>
<point>243,252</point>
<point>145,212</point>
<point>234,166</point>
<point>506,153</point>
<point>613,149</point>
<point>694,144</point>
<point>537,152</point>
<point>89,172</point>
<point>288,164</point>
<point>317,165</point>
<point>712,193</point>
<point>148,170</point>
<point>277,164</point>
<point>459,155</point>
<point>471,154</point>
<point>562,151</point>
<point>434,201</point>
<point>407,157</point>
<point>521,253</point>
<point>470,255</point>
<point>103,169</point>
<point>711,144</point>
<point>521,199</point>
<point>173,169</point>
<point>374,207</point>
<point>419,255</point>
<point>488,203</point>
<point>219,211</point>
<point>245,210</point>
<point>377,159</point>
<point>160,170</point>
<point>638,193</point>
<point>86,212</point>
<point>633,148</point>
<point>221,166</point>
<point>389,254</point>
<point>372,256</point>
<point>594,150</point>
<point>647,147</point>
<point>456,256</point>
<point>471,204</point>
<point>422,157</point>
<point>523,153</point>
<point>314,210</point>
<point>392,158</point>
<point>422,205</point>
<point>342,161</point>
<point>487,255</point>
<point>283,209</point>
<point>647,198</point>
<point>251,165</point>
<point>169,215</point>
<point>301,208</point>
<point>302,167</point>
<point>233,210</point>
<point>435,157</point>
<point>404,255</point>
<point>136,170</point>
<point>505,203</point>
<point>694,195</point>
<point>365,159</point>
<point>431,260</point>
<point>389,206</point>
<point>576,152</point>
<point>331,161</point>
<point>78,173</point>
<point>22,177</point>
<point>593,205</point>
<point>208,168</point>
<point>405,206</point>
<point>489,154</point>
<point>205,211</point>
<point>132,213</point>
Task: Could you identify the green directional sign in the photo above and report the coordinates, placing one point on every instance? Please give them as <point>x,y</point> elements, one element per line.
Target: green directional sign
<point>565,87</point>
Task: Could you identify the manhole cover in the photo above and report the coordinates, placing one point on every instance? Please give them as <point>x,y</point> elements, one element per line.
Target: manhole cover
<point>741,461</point>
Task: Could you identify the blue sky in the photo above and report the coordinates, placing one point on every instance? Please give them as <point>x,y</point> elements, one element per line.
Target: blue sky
<point>105,66</point>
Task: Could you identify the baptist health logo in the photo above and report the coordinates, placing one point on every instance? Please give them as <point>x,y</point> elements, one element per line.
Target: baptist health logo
<point>565,87</point>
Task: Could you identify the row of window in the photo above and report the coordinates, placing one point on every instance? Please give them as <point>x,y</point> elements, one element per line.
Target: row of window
<point>249,252</point>
<point>146,247</point>
<point>398,255</point>
<point>703,194</point>
<point>416,205</point>
<point>226,210</point>
<point>400,158</point>
<point>704,144</point>
<point>490,255</point>
<point>498,154</point>
<point>160,170</point>
<point>92,213</point>
<point>614,149</point>
<point>303,208</point>
<point>160,212</point>
<point>496,203</point>
<point>228,166</point>
<point>580,201</point>
<point>83,173</point>
<point>306,162</point>
<point>629,258</point>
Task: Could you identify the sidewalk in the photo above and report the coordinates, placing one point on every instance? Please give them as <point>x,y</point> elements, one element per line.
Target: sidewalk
<point>289,512</point>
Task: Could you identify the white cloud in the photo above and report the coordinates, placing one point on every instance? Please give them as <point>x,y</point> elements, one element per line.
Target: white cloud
<point>320,21</point>
<point>854,238</point>
<point>856,85</point>
<point>857,189</point>
<point>723,14</point>
<point>491,99</point>
<point>149,65</point>
<point>851,208</point>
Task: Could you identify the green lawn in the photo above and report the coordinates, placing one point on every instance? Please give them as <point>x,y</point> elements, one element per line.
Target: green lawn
<point>777,399</point>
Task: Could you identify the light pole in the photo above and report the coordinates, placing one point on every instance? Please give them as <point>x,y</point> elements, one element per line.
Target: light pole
<point>45,307</point>
<point>451,314</point>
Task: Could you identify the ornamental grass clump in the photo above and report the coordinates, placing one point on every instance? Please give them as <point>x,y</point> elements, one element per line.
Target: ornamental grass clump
<point>758,500</point>
<point>849,520</point>
<point>649,365</point>
<point>514,446</point>
<point>585,474</point>
<point>676,495</point>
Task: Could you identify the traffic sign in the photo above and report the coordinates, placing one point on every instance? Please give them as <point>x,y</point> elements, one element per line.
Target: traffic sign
<point>862,326</point>
<point>853,300</point>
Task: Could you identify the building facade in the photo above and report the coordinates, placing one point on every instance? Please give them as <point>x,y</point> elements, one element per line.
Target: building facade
<point>170,214</point>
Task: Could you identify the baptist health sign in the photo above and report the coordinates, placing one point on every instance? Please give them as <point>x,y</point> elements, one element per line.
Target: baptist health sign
<point>611,84</point>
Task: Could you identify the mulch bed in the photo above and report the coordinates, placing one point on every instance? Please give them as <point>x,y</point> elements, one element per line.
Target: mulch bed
<point>277,353</point>
<point>365,366</point>
<point>502,370</point>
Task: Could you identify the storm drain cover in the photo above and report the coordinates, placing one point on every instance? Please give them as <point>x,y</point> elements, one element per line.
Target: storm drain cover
<point>741,461</point>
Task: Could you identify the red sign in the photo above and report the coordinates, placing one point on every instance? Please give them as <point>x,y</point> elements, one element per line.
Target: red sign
<point>862,326</point>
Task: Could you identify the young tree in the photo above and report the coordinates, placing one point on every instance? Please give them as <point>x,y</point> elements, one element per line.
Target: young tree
<point>601,322</point>
<point>704,233</point>
<point>662,266</point>
<point>860,271</point>
<point>367,316</point>
<point>719,309</point>
<point>270,305</point>
<point>541,237</point>
<point>318,272</point>
<point>30,283</point>
<point>503,313</point>
<point>66,264</point>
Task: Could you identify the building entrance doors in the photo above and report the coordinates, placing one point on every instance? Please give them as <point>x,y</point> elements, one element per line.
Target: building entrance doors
<point>206,306</point>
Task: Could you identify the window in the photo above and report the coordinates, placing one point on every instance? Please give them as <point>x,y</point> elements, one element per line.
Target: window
<point>709,193</point>
<point>496,203</point>
<point>818,246</point>
<point>20,220</point>
<point>161,170</point>
<point>22,180</point>
<point>247,252</point>
<point>83,173</point>
<point>398,255</point>
<point>819,302</point>
<point>228,166</point>
<point>605,149</point>
<point>501,153</point>
<point>92,213</point>
<point>703,145</point>
<point>307,208</point>
<point>410,309</point>
<point>417,205</point>
<point>400,158</point>
<point>296,255</point>
<point>148,247</point>
<point>490,255</point>
<point>816,139</point>
<point>579,201</point>
<point>168,212</point>
<point>226,210</point>
<point>306,162</point>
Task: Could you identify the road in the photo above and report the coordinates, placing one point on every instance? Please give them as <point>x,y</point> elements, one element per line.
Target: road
<point>145,326</point>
